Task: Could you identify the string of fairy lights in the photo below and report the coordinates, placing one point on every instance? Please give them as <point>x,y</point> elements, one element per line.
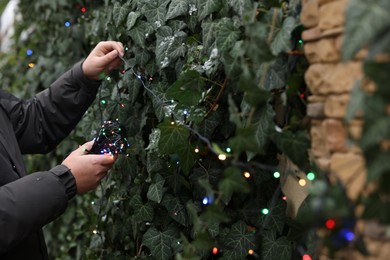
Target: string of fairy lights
<point>330,224</point>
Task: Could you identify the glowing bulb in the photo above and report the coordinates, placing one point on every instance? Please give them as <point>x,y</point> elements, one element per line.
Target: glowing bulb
<point>205,201</point>
<point>108,78</point>
<point>31,65</point>
<point>215,250</point>
<point>330,224</point>
<point>276,175</point>
<point>83,9</point>
<point>247,175</point>
<point>306,257</point>
<point>95,231</point>
<point>29,52</point>
<point>172,122</point>
<point>67,24</point>
<point>228,150</point>
<point>222,157</point>
<point>284,198</point>
<point>126,48</point>
<point>310,176</point>
<point>265,211</point>
<point>103,102</point>
<point>196,150</point>
<point>347,234</point>
<point>302,182</point>
<point>122,105</point>
<point>251,252</point>
<point>300,42</point>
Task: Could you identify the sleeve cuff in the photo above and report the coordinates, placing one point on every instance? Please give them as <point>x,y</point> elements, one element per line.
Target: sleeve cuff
<point>66,177</point>
<point>88,85</point>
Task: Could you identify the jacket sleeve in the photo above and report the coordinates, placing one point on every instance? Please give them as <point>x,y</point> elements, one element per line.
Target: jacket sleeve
<point>31,202</point>
<point>42,122</point>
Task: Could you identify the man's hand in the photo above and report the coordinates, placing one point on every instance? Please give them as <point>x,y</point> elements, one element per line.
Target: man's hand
<point>88,169</point>
<point>102,59</point>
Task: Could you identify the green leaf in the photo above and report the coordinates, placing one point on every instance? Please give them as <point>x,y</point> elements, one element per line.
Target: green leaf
<point>172,137</point>
<point>159,242</point>
<point>207,7</point>
<point>155,12</point>
<point>275,248</point>
<point>209,33</point>
<point>120,12</point>
<point>233,181</point>
<point>137,34</point>
<point>356,101</point>
<point>227,36</point>
<point>241,6</point>
<point>156,191</point>
<point>131,19</point>
<point>244,140</point>
<point>264,125</point>
<point>377,166</point>
<point>187,157</point>
<point>375,133</point>
<point>142,212</point>
<point>176,209</point>
<point>294,145</point>
<point>238,241</point>
<point>282,41</point>
<point>177,8</point>
<point>276,218</point>
<point>187,90</point>
<point>365,20</point>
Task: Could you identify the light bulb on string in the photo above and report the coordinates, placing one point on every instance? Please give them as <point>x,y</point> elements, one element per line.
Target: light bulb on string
<point>29,52</point>
<point>265,211</point>
<point>302,182</point>
<point>247,175</point>
<point>310,176</point>
<point>31,65</point>
<point>251,252</point>
<point>215,250</point>
<point>196,150</point>
<point>103,102</point>
<point>222,157</point>
<point>83,9</point>
<point>330,224</point>
<point>306,257</point>
<point>228,149</point>
<point>276,175</point>
<point>67,24</point>
<point>347,234</point>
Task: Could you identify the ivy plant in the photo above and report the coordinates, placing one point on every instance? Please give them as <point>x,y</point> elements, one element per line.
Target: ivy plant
<point>214,94</point>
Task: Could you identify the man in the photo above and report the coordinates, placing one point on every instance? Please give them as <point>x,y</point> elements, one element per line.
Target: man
<point>30,201</point>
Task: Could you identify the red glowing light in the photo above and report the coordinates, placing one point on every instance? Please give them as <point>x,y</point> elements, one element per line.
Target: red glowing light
<point>302,95</point>
<point>83,9</point>
<point>215,250</point>
<point>330,224</point>
<point>306,257</point>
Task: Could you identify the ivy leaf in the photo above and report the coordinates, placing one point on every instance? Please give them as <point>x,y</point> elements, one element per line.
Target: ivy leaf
<point>142,212</point>
<point>228,34</point>
<point>172,137</point>
<point>155,12</point>
<point>137,34</point>
<point>356,101</point>
<point>187,89</point>
<point>120,12</point>
<point>244,140</point>
<point>277,73</point>
<point>176,209</point>
<point>207,7</point>
<point>294,145</point>
<point>263,124</point>
<point>238,241</point>
<point>241,6</point>
<point>374,133</point>
<point>156,191</point>
<point>159,242</point>
<point>377,166</point>
<point>177,8</point>
<point>275,220</point>
<point>131,19</point>
<point>186,157</point>
<point>233,181</point>
<point>209,32</point>
<point>282,41</point>
<point>275,248</point>
<point>365,21</point>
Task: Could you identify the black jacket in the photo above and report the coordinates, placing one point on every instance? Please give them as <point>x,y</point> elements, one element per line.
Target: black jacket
<point>28,202</point>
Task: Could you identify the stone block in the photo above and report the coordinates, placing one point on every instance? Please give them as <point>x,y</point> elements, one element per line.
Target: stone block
<point>319,146</point>
<point>355,129</point>
<point>315,80</point>
<point>336,135</point>
<point>350,169</point>
<point>315,110</point>
<point>311,34</point>
<point>327,51</point>
<point>336,106</point>
<point>309,13</point>
<point>332,15</point>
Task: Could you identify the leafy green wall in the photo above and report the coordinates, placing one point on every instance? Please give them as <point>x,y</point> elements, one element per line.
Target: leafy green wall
<point>209,78</point>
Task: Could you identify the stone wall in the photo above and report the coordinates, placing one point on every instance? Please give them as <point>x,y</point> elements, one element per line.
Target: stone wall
<point>330,81</point>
